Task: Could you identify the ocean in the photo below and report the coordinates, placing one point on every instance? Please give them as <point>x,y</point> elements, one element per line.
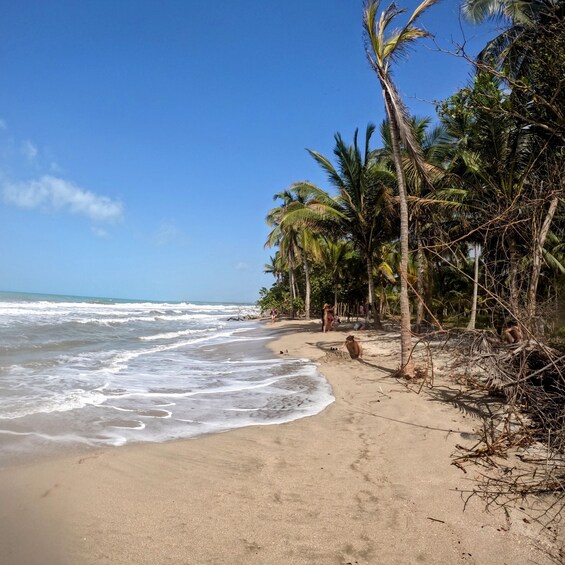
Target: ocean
<point>81,373</point>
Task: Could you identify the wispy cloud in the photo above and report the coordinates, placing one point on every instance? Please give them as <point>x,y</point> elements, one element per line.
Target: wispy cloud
<point>52,193</point>
<point>29,150</point>
<point>100,232</point>
<point>241,266</point>
<point>3,124</point>
<point>169,233</point>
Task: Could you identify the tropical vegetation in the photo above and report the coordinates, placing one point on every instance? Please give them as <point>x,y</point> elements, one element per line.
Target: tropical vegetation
<point>456,219</point>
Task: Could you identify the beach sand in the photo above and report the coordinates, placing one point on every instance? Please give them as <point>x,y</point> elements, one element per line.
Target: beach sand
<point>367,481</point>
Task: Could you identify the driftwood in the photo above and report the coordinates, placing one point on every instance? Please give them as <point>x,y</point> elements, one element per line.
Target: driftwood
<point>517,392</point>
<point>529,379</point>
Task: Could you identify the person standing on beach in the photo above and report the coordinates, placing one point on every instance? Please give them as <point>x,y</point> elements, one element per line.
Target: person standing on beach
<point>328,317</point>
<point>273,315</point>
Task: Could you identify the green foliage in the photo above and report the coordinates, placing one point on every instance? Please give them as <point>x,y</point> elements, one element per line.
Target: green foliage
<point>483,178</point>
<point>278,297</point>
<point>271,298</point>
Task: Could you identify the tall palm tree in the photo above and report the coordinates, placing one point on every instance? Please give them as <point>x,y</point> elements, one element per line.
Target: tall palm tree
<point>436,147</point>
<point>336,256</point>
<point>383,48</point>
<point>294,235</point>
<point>287,239</point>
<point>362,206</point>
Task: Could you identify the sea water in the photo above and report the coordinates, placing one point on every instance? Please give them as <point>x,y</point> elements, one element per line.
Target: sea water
<point>98,372</point>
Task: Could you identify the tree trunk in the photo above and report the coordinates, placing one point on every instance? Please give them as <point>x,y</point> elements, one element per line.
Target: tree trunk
<point>406,361</point>
<point>420,282</point>
<point>538,244</point>
<point>307,294</point>
<point>473,318</point>
<point>291,284</point>
<point>513,277</point>
<point>371,283</point>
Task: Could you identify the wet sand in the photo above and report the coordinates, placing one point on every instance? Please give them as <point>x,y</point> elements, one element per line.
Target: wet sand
<point>366,481</point>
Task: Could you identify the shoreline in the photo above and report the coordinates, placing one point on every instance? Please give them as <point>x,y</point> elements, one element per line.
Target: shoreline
<point>298,389</point>
<point>366,480</point>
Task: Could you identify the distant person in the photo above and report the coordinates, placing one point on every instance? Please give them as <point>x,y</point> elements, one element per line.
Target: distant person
<point>353,347</point>
<point>328,317</point>
<point>512,334</point>
<point>273,315</point>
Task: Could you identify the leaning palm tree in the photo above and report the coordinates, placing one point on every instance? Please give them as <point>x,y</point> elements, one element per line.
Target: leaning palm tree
<point>383,48</point>
<point>287,239</point>
<point>274,267</point>
<point>436,147</point>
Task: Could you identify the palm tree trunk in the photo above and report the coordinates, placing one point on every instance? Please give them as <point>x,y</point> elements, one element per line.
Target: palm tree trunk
<point>291,284</point>
<point>473,318</point>
<point>307,295</point>
<point>375,308</point>
<point>420,282</point>
<point>539,242</point>
<point>406,361</point>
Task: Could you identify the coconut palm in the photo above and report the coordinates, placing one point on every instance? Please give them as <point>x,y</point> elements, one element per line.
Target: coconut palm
<point>336,256</point>
<point>287,239</point>
<point>294,234</point>
<point>383,47</point>
<point>363,206</point>
<point>436,147</point>
<point>274,267</point>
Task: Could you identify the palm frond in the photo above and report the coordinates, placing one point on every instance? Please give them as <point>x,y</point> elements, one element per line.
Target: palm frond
<point>420,10</point>
<point>333,176</point>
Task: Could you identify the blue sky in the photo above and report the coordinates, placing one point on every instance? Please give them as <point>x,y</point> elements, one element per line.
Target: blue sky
<point>141,142</point>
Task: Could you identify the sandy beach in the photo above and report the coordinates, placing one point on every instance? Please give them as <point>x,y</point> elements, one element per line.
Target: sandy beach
<point>367,481</point>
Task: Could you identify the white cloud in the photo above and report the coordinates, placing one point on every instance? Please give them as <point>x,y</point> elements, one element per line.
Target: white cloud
<point>29,150</point>
<point>169,233</point>
<point>100,232</point>
<point>241,266</point>
<point>55,168</point>
<point>52,193</point>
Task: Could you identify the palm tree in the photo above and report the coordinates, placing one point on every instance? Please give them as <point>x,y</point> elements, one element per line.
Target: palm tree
<point>436,147</point>
<point>362,207</point>
<point>293,232</point>
<point>383,48</point>
<point>274,267</point>
<point>287,239</point>
<point>336,256</point>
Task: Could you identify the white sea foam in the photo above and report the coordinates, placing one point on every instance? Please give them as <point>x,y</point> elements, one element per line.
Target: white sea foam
<point>111,373</point>
<point>174,335</point>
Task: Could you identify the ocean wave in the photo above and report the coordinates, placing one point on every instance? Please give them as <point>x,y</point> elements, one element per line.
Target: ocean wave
<point>64,402</point>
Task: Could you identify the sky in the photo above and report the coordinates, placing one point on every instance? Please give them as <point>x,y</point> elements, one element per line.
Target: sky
<point>142,141</point>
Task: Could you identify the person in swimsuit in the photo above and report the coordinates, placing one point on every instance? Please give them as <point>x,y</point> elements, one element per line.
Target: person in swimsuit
<point>354,347</point>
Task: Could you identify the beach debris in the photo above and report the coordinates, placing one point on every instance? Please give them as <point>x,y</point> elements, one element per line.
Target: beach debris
<point>518,393</point>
